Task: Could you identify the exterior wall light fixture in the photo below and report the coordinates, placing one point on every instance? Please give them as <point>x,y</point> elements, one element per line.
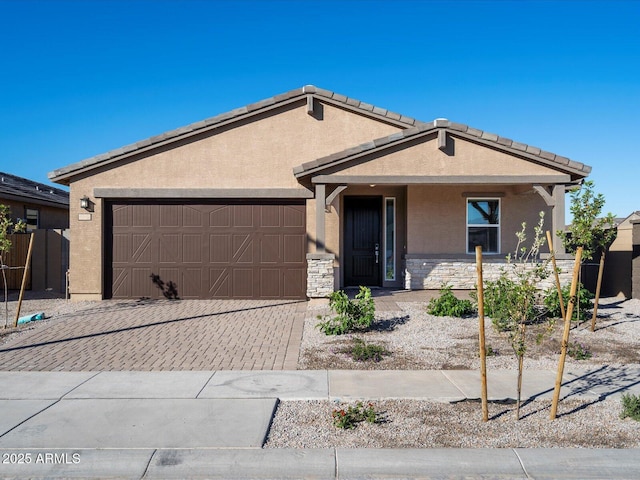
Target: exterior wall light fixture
<point>85,202</point>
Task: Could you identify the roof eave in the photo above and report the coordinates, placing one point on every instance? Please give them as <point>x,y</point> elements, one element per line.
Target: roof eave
<point>575,169</point>
<point>64,175</point>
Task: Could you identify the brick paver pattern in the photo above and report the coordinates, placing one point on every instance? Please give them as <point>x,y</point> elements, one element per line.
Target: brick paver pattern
<point>163,335</point>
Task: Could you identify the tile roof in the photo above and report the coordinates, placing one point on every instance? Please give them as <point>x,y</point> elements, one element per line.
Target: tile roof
<point>293,95</point>
<point>14,187</point>
<point>412,127</point>
<point>423,129</point>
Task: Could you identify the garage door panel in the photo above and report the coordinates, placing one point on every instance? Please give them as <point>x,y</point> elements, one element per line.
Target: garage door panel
<point>220,216</point>
<point>294,282</point>
<point>121,282</point>
<point>142,251</point>
<point>169,250</point>
<point>121,247</point>
<point>190,216</point>
<point>192,248</point>
<point>294,248</point>
<point>220,248</point>
<point>142,282</point>
<point>271,249</point>
<point>169,216</point>
<point>220,283</point>
<point>242,283</point>
<point>120,216</point>
<point>214,250</point>
<point>142,216</point>
<point>294,216</point>
<point>270,216</point>
<point>243,249</point>
<point>242,215</point>
<point>270,283</point>
<point>191,281</point>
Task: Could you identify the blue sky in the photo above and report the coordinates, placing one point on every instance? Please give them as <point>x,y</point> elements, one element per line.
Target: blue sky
<point>79,78</point>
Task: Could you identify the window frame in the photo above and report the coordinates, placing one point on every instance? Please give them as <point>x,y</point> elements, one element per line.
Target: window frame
<point>394,239</point>
<point>497,226</point>
<point>30,227</point>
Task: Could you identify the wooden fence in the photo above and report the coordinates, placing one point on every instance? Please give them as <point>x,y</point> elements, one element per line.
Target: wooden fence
<point>49,263</point>
<point>16,257</point>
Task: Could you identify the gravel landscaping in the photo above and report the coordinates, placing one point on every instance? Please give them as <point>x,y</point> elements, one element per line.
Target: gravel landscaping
<point>418,340</point>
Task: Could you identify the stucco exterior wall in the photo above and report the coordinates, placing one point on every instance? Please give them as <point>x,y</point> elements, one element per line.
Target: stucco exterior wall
<point>260,153</point>
<point>436,222</point>
<point>422,157</point>
<point>617,270</point>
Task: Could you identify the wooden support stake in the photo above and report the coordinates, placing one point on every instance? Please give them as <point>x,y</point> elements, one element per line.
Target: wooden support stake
<point>598,286</point>
<point>483,351</point>
<point>24,279</point>
<point>555,272</point>
<point>565,335</point>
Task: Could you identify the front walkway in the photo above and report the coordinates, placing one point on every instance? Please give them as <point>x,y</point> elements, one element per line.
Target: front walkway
<point>162,335</point>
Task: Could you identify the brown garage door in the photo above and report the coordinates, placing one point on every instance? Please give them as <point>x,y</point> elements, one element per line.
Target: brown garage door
<point>213,250</point>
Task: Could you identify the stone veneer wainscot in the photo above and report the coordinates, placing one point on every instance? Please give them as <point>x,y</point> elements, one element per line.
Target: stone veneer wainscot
<point>320,283</point>
<point>424,273</point>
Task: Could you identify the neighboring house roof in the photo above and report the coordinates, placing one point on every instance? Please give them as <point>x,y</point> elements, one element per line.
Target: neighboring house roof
<point>424,129</point>
<point>413,129</point>
<point>21,189</point>
<point>62,175</point>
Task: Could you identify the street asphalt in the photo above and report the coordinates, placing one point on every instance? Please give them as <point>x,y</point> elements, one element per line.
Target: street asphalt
<point>213,424</point>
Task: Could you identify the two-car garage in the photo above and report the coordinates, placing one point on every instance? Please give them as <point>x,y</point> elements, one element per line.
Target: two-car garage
<point>218,249</point>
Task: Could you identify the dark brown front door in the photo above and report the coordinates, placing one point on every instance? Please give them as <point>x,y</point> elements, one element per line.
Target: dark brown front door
<point>213,250</point>
<point>362,241</point>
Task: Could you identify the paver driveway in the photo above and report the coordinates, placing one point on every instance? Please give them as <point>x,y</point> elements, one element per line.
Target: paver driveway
<point>163,335</point>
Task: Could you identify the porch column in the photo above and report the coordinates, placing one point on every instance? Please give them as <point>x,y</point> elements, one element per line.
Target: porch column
<point>555,200</point>
<point>557,218</point>
<point>321,196</point>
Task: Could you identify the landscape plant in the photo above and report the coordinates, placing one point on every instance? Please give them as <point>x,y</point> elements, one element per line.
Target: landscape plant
<point>7,226</point>
<point>630,406</point>
<point>583,299</point>
<point>512,300</point>
<point>448,305</point>
<point>362,351</point>
<point>353,415</point>
<point>589,230</point>
<point>578,351</point>
<point>350,315</point>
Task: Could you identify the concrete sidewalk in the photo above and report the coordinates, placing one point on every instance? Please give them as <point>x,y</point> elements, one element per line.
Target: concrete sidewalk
<point>206,424</point>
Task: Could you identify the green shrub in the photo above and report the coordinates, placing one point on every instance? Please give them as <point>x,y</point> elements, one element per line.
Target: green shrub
<point>448,305</point>
<point>630,406</point>
<point>552,303</point>
<point>350,314</point>
<point>362,351</point>
<point>505,301</point>
<point>353,415</point>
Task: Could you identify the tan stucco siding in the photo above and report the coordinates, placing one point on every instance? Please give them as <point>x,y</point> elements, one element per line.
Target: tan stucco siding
<point>85,247</point>
<point>436,221</point>
<point>257,154</point>
<point>424,158</point>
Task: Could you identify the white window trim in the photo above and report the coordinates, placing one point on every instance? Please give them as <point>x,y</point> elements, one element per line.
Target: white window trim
<point>467,225</point>
<point>395,241</point>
